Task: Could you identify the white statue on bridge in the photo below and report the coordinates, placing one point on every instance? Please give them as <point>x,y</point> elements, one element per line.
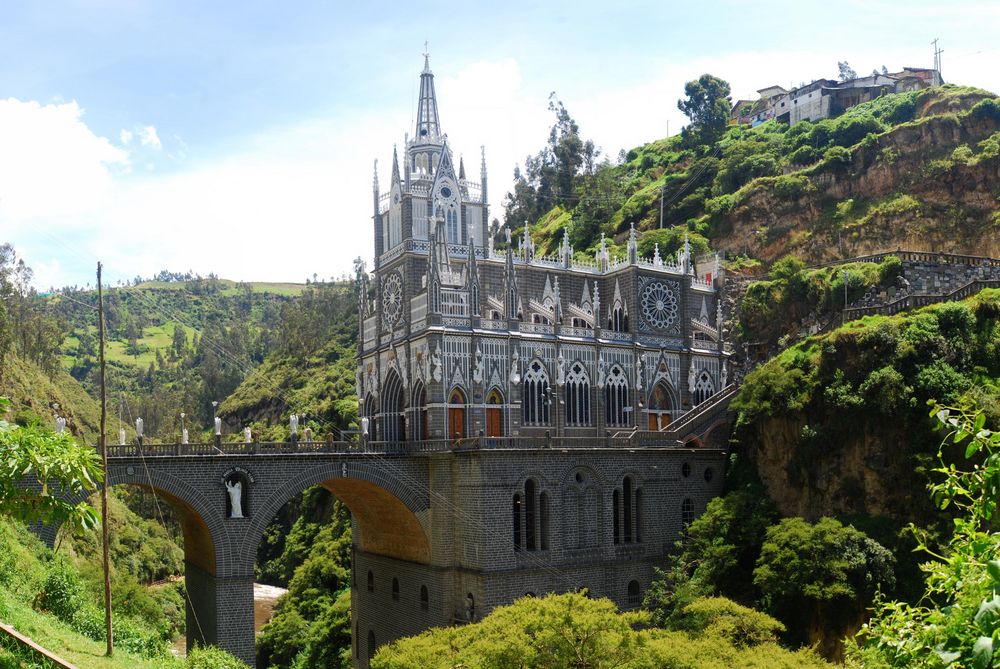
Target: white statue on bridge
<point>235,491</point>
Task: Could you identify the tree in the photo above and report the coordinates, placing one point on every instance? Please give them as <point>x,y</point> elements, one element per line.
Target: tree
<point>707,106</point>
<point>573,631</point>
<point>550,177</point>
<point>820,578</point>
<point>61,467</point>
<point>846,71</point>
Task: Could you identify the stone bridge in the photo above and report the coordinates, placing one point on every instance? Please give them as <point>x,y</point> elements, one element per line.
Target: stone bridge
<point>444,531</point>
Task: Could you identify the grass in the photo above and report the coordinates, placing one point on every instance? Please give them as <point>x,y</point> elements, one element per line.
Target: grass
<point>58,637</point>
<point>284,289</point>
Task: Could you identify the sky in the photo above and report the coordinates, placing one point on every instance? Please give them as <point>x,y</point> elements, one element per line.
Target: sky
<point>239,137</point>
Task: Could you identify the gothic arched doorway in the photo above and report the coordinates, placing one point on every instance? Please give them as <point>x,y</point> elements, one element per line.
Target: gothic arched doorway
<point>393,409</point>
<point>421,431</point>
<point>494,414</point>
<point>660,407</point>
<point>456,414</point>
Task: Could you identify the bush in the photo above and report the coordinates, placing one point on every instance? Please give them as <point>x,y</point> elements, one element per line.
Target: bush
<point>849,130</point>
<point>210,657</point>
<point>740,625</point>
<point>62,590</point>
<point>804,155</point>
<point>837,156</point>
<point>986,109</point>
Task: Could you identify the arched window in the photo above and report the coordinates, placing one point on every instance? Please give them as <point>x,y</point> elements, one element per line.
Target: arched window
<point>456,414</point>
<point>424,598</point>
<point>371,581</point>
<point>577,396</point>
<point>419,425</point>
<point>529,515</point>
<point>371,644</point>
<point>616,398</point>
<point>371,412</point>
<point>395,589</point>
<point>393,416</point>
<point>543,520</point>
<point>703,387</point>
<point>627,507</point>
<point>516,515</point>
<point>535,403</point>
<point>660,407</point>
<point>616,506</point>
<point>634,594</point>
<point>618,320</point>
<point>638,515</point>
<point>356,641</point>
<point>494,413</point>
<point>530,511</point>
<point>451,224</point>
<point>687,512</point>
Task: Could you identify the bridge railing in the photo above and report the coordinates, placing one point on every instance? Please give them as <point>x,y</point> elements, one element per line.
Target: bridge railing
<point>633,440</point>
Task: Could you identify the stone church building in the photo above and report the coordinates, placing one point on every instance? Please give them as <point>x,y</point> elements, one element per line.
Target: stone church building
<point>544,383</point>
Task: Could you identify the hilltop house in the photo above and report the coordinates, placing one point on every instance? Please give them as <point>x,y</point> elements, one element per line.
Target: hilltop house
<point>825,98</point>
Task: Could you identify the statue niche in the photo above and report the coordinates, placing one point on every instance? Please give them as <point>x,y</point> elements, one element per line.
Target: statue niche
<point>237,495</point>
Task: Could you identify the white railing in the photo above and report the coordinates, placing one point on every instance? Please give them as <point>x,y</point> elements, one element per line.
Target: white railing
<point>537,328</point>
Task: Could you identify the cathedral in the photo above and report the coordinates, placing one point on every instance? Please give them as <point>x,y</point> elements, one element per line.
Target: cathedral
<point>546,388</point>
<point>464,340</point>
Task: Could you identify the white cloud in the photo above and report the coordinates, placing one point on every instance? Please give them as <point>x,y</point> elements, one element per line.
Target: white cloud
<point>148,137</point>
<point>51,164</point>
<point>125,136</point>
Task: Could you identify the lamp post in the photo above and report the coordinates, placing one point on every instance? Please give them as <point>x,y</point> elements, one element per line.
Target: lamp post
<point>843,278</point>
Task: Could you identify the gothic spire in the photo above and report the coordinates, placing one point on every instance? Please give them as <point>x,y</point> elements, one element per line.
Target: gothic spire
<point>461,168</point>
<point>482,174</point>
<point>428,125</point>
<point>395,166</point>
<point>375,186</point>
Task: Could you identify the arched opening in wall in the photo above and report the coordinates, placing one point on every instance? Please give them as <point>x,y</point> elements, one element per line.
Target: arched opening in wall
<point>456,414</point>
<point>393,409</point>
<point>703,387</point>
<point>577,396</point>
<point>617,403</point>
<point>661,407</point>
<point>535,400</point>
<point>420,428</point>
<point>339,532</point>
<point>634,595</point>
<point>516,513</point>
<point>627,508</point>
<point>494,413</point>
<point>530,519</point>
<point>159,542</point>
<point>371,644</point>
<point>424,598</point>
<point>371,412</point>
<point>687,512</point>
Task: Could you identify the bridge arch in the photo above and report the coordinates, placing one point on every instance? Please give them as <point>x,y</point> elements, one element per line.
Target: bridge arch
<point>386,507</point>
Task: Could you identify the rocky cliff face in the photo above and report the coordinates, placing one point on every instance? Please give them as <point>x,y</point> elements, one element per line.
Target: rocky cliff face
<point>903,189</point>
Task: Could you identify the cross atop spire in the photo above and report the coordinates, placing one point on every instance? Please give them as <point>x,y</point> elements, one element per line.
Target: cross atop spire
<point>428,124</point>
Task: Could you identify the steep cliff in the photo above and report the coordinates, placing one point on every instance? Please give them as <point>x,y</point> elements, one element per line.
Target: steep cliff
<point>838,424</point>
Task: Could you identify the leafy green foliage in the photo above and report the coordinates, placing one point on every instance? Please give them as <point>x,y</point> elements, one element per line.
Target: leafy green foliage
<point>707,106</point>
<point>572,630</point>
<point>211,657</point>
<point>820,576</point>
<point>311,623</point>
<point>59,465</point>
<point>957,623</point>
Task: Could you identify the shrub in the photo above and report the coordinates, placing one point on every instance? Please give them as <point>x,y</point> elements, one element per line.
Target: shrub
<point>849,130</point>
<point>210,657</point>
<point>62,590</point>
<point>804,155</point>
<point>837,156</point>
<point>986,109</point>
<point>738,624</point>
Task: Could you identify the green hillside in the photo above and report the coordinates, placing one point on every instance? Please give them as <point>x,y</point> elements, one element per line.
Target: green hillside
<point>915,170</point>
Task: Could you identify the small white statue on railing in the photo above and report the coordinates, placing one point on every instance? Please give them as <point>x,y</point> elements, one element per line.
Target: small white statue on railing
<point>294,423</point>
<point>138,427</point>
<point>724,375</point>
<point>235,491</point>
<point>307,435</point>
<point>247,435</point>
<point>121,436</point>
<point>184,436</point>
<point>218,426</point>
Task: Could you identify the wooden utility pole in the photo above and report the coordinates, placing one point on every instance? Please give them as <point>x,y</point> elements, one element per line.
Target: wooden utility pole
<point>104,462</point>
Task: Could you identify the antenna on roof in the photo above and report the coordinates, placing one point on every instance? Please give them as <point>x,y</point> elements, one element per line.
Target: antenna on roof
<point>937,55</point>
